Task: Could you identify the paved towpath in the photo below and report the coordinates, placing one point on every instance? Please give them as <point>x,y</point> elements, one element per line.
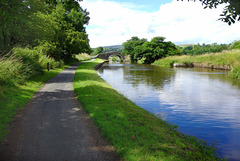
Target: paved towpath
<point>54,127</point>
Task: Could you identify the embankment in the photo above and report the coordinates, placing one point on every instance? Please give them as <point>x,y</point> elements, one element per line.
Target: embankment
<point>136,134</point>
<point>227,60</point>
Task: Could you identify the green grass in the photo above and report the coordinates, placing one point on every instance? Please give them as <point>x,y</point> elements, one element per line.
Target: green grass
<point>136,134</point>
<point>22,73</point>
<point>22,64</point>
<point>228,58</point>
<point>14,97</point>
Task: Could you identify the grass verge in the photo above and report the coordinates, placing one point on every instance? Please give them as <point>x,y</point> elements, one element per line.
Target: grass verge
<point>14,97</point>
<point>136,134</point>
<point>225,58</point>
<point>21,75</point>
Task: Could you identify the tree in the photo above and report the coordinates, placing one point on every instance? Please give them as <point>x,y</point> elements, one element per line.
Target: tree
<point>130,45</point>
<point>56,25</point>
<point>60,34</point>
<point>13,18</point>
<point>98,50</point>
<point>231,12</point>
<point>140,50</point>
<point>157,48</point>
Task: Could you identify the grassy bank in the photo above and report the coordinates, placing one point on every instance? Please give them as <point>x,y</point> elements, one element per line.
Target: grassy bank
<point>136,134</point>
<point>22,73</point>
<point>14,97</point>
<point>225,58</point>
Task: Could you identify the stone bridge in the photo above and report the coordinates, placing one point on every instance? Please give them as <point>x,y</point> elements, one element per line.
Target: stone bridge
<point>108,54</point>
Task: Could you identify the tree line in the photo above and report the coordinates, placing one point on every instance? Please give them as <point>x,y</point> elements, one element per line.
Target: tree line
<point>55,26</point>
<point>208,48</point>
<point>202,49</point>
<point>143,51</point>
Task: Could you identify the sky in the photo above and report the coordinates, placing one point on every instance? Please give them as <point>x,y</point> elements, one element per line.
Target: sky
<point>113,22</point>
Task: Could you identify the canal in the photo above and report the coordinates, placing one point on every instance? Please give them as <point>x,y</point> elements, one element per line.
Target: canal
<point>203,102</point>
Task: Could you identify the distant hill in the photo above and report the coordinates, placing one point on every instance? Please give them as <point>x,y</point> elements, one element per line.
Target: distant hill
<point>112,48</point>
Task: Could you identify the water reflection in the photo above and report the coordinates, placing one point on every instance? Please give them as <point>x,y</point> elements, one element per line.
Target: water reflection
<point>203,102</point>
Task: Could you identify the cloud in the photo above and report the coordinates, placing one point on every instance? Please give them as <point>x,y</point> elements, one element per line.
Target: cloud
<point>113,23</point>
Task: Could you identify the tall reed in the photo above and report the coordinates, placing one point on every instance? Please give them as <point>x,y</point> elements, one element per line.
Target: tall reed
<point>21,64</point>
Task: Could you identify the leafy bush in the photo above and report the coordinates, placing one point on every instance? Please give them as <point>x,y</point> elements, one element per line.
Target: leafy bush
<point>44,58</point>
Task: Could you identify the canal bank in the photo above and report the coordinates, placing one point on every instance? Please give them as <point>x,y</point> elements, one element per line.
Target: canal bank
<point>136,133</point>
<point>202,102</point>
<point>226,60</point>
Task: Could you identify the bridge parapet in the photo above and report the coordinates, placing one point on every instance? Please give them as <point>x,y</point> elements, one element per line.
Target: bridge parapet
<point>108,54</point>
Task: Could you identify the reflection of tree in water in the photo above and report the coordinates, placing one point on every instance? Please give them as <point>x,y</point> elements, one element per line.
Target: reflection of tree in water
<point>112,67</point>
<point>148,74</point>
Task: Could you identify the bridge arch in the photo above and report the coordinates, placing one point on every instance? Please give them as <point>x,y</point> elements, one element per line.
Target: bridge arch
<point>108,54</point>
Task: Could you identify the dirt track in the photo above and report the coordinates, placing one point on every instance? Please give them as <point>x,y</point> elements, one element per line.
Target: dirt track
<point>54,127</point>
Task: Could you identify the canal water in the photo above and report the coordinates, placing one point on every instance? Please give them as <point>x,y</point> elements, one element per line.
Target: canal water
<point>203,102</point>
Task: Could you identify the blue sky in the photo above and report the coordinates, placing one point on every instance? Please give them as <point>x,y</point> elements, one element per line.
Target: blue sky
<point>146,5</point>
<point>114,22</point>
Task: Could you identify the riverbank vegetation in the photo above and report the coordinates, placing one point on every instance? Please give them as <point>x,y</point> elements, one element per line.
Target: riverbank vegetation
<point>145,52</point>
<point>229,58</point>
<point>136,134</point>
<point>159,52</point>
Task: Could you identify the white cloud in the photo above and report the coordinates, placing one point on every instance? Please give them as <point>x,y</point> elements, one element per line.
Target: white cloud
<point>113,23</point>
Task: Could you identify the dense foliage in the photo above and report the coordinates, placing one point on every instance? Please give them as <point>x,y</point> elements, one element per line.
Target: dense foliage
<point>202,49</point>
<point>235,45</point>
<point>97,50</point>
<point>143,51</point>
<point>230,14</point>
<point>57,26</point>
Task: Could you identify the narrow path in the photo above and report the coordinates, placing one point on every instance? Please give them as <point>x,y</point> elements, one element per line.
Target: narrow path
<point>54,127</point>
